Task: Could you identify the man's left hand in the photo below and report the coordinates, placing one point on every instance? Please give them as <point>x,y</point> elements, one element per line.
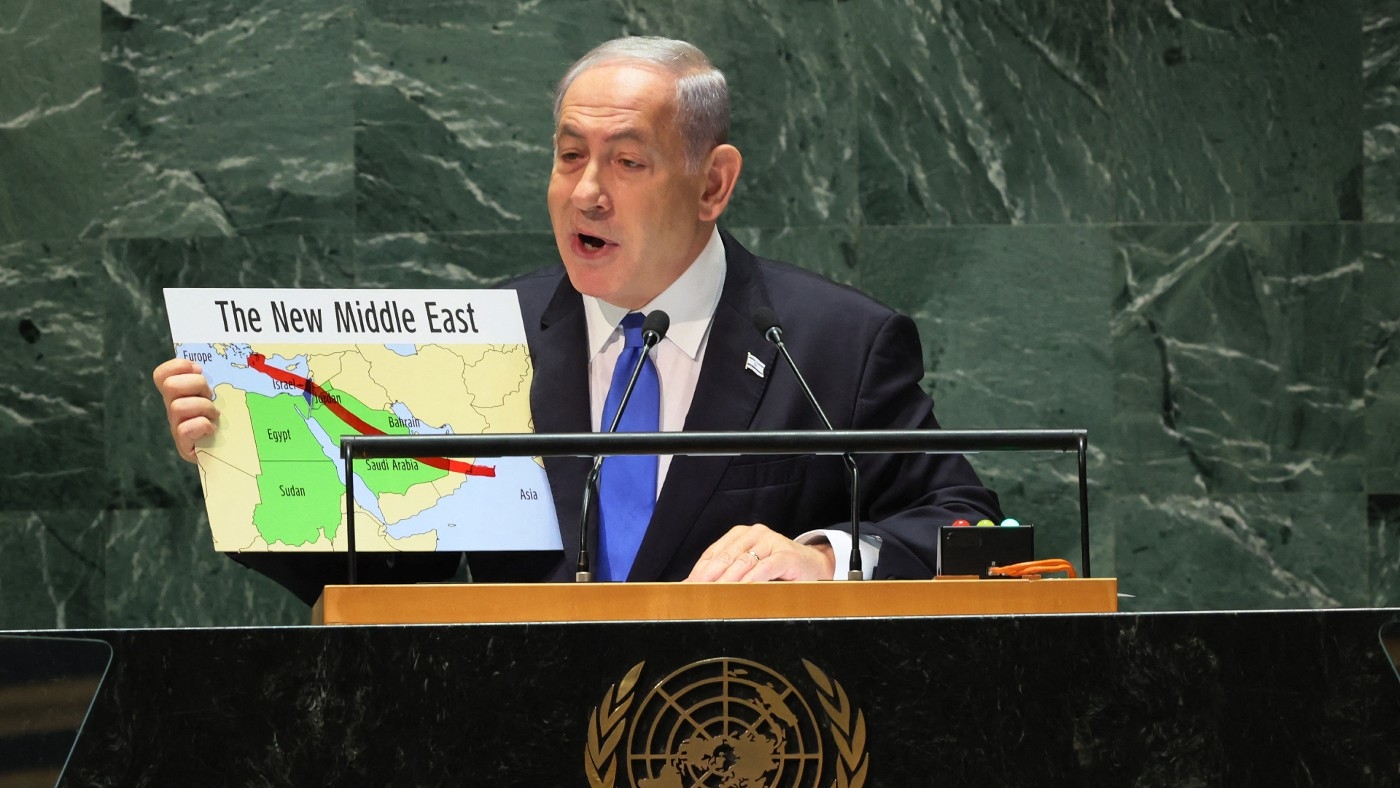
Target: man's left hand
<point>754,553</point>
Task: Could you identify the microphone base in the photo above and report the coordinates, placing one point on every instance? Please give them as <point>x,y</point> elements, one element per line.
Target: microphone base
<point>855,574</point>
<point>583,577</point>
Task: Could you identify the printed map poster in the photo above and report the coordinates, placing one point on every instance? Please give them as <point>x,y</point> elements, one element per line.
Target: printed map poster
<point>294,370</point>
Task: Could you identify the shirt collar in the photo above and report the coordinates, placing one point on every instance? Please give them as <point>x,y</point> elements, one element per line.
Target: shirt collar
<point>690,302</point>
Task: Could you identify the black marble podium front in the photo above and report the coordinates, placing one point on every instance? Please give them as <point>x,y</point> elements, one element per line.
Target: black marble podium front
<point>1231,699</point>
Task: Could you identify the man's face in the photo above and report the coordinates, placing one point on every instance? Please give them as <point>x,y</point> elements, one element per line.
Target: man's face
<point>627,216</point>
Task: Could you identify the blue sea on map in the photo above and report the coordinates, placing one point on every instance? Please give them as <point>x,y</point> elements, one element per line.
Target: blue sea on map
<point>464,517</point>
<point>492,513</point>
<point>231,367</point>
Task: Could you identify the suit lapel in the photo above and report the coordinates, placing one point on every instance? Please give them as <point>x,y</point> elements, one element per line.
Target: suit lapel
<point>727,396</point>
<point>559,402</point>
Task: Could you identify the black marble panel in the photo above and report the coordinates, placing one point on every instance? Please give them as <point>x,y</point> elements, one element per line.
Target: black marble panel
<point>1236,359</point>
<point>1014,325</point>
<point>982,112</point>
<point>50,107</point>
<point>53,568</point>
<point>1237,111</point>
<point>1237,699</point>
<point>227,118</point>
<point>51,406</point>
<point>1380,37</point>
<point>1249,550</point>
<point>1381,346</point>
<point>145,470</point>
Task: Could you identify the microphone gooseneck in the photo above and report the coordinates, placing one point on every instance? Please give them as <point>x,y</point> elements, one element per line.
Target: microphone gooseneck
<point>766,321</point>
<point>654,328</point>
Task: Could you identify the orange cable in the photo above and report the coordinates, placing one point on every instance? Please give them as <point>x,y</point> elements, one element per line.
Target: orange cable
<point>1034,568</point>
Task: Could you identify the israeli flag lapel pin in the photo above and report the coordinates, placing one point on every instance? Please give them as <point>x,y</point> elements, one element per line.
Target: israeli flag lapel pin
<point>754,365</point>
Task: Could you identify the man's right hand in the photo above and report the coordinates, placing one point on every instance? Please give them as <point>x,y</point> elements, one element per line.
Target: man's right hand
<point>189,403</point>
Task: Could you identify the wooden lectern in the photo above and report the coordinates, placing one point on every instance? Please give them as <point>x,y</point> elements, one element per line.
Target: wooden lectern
<point>539,602</point>
<point>564,602</point>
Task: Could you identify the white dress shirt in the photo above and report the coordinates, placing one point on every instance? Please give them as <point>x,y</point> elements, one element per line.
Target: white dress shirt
<point>690,302</point>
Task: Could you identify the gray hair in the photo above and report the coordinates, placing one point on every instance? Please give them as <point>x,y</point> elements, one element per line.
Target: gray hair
<point>702,95</point>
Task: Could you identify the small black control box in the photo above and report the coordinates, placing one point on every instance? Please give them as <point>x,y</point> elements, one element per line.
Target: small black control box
<point>970,550</point>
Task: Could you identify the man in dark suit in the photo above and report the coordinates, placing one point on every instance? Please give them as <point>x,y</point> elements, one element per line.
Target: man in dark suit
<point>642,172</point>
<point>863,363</point>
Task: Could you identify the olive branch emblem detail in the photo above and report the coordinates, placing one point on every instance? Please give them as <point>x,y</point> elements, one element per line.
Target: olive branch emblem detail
<point>847,729</point>
<point>606,725</point>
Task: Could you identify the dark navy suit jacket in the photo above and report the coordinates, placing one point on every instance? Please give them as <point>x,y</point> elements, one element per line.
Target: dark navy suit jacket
<point>864,364</point>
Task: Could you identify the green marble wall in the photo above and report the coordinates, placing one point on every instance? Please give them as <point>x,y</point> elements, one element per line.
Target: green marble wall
<point>1171,223</point>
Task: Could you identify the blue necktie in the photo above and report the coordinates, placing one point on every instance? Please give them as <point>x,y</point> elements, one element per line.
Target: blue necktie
<point>627,486</point>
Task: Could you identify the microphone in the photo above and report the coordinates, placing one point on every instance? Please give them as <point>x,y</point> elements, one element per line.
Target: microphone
<point>766,321</point>
<point>654,328</point>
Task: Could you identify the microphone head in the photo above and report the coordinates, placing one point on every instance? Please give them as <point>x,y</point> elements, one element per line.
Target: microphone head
<point>655,326</point>
<point>766,321</point>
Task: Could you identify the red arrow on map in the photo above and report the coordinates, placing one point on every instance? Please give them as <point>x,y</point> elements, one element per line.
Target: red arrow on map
<point>259,362</point>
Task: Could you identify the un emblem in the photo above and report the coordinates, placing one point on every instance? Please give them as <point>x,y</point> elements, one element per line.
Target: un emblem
<point>725,723</point>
